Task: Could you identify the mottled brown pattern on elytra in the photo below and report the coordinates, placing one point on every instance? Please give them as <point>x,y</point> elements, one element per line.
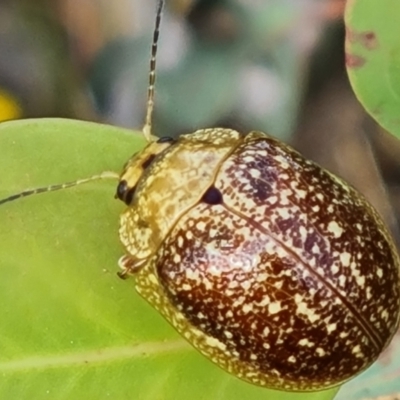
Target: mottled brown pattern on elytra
<point>291,282</point>
<point>273,299</point>
<point>357,263</point>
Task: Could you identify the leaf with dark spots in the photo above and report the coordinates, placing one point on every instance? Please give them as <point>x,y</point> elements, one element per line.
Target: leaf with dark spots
<point>367,39</point>
<point>373,57</point>
<point>354,61</point>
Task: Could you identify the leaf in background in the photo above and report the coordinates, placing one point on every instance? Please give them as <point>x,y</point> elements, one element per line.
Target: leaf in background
<point>373,58</point>
<point>70,329</point>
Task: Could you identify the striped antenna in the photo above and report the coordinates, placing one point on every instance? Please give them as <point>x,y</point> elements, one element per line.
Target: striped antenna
<point>53,188</point>
<point>146,129</point>
<point>152,75</point>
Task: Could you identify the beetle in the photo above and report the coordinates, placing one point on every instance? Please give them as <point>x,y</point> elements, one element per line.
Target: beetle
<point>272,267</point>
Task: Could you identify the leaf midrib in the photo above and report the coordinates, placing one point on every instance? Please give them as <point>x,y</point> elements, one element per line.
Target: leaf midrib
<point>93,357</point>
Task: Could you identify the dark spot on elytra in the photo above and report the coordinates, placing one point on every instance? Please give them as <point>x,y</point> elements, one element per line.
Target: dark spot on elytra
<point>354,61</point>
<point>165,139</point>
<point>262,190</point>
<point>212,196</point>
<point>309,242</point>
<point>148,162</point>
<point>285,224</point>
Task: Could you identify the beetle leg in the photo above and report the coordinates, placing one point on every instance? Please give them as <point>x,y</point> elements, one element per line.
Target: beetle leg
<point>130,266</point>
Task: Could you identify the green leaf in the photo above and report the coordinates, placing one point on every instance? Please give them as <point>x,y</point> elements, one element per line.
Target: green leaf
<point>373,58</point>
<point>70,329</point>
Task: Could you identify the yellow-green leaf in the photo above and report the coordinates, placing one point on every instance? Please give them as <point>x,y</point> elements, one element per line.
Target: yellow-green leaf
<point>373,58</point>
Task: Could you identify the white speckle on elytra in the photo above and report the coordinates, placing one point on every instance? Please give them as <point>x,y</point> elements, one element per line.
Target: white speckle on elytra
<point>335,269</point>
<point>239,301</point>
<point>292,359</point>
<point>228,334</point>
<point>180,241</point>
<point>233,284</point>
<point>331,327</point>
<point>261,277</point>
<point>320,351</point>
<point>284,196</point>
<point>315,249</point>
<point>303,309</point>
<point>283,212</point>
<point>212,232</point>
<point>247,308</point>
<point>213,342</point>
<point>306,342</point>
<point>274,307</point>
<point>266,331</point>
<point>192,274</point>
<point>272,200</point>
<point>301,193</point>
<point>345,259</point>
<point>360,281</point>
<point>356,349</point>
<point>335,229</point>
<point>265,301</point>
<point>245,285</point>
<point>342,280</point>
<point>201,226</point>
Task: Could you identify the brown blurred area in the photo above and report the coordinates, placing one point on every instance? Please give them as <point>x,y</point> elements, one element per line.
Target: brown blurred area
<point>50,48</point>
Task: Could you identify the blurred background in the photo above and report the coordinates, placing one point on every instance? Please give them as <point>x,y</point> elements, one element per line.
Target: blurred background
<point>271,65</point>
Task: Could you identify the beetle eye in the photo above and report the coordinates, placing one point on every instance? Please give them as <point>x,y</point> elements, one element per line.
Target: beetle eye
<point>121,190</point>
<point>124,193</point>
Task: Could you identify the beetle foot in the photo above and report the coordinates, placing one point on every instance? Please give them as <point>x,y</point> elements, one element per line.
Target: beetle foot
<point>129,266</point>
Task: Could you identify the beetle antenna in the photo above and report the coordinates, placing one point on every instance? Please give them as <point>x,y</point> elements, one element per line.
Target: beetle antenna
<point>152,75</point>
<point>146,129</point>
<point>53,188</point>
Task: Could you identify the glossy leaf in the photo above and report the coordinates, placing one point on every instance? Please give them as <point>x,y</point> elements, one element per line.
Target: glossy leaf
<point>70,329</point>
<point>373,57</point>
